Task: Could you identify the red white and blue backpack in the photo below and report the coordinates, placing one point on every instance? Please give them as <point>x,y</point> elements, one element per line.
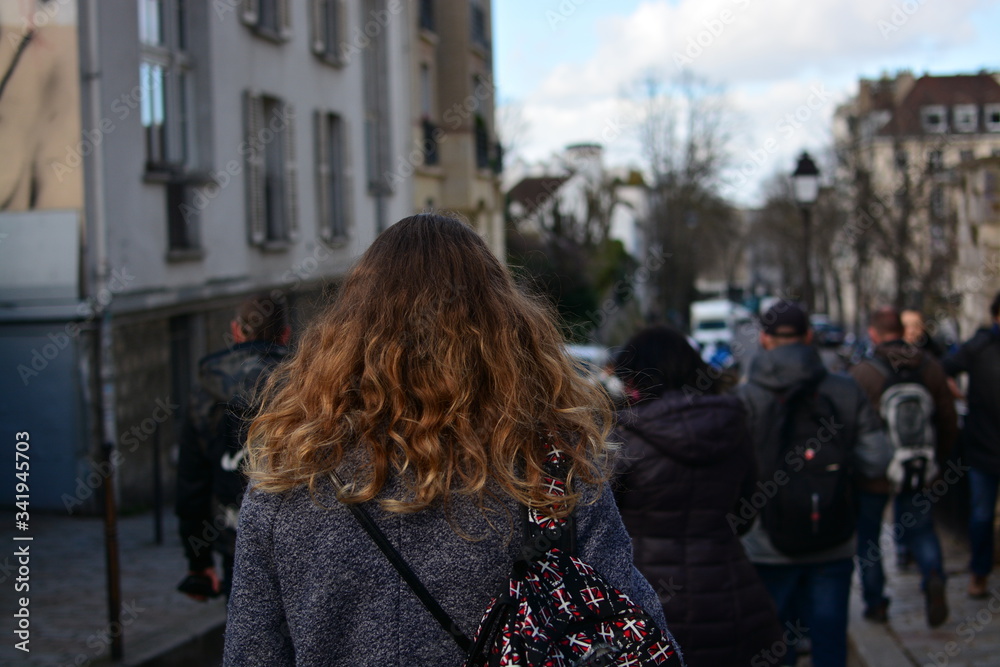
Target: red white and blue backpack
<point>555,611</point>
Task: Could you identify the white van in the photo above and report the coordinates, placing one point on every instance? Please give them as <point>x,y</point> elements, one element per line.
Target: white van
<point>716,321</point>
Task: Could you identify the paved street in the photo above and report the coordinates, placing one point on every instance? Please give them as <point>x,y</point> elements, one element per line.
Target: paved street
<point>68,610</point>
<point>69,618</point>
<point>970,637</point>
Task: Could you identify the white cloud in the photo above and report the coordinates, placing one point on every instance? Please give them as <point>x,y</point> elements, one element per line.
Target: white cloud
<point>772,56</point>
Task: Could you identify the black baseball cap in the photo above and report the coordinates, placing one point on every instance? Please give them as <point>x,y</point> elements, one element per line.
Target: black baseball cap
<point>785,318</point>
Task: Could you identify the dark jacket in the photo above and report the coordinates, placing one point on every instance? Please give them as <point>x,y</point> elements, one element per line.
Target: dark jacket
<point>774,372</point>
<point>209,480</point>
<point>683,462</point>
<point>980,358</point>
<point>312,589</point>
<point>898,354</point>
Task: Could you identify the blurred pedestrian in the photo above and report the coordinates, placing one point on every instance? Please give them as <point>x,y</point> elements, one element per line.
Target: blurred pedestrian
<point>815,436</point>
<point>898,365</point>
<point>980,358</point>
<point>686,450</point>
<point>210,480</point>
<point>435,391</point>
<point>915,333</point>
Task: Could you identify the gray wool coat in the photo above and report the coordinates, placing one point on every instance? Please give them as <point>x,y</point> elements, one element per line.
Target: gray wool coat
<point>311,588</point>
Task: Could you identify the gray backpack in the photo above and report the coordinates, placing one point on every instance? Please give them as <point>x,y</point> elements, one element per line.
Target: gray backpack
<point>907,410</point>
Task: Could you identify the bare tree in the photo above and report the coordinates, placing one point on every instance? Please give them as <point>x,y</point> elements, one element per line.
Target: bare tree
<point>684,137</point>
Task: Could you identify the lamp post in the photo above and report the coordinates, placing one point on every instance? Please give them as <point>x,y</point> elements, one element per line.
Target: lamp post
<point>806,180</point>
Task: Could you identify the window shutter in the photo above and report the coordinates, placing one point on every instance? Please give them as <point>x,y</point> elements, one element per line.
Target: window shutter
<point>339,6</point>
<point>251,12</point>
<point>291,173</point>
<point>317,29</point>
<point>347,205</point>
<point>253,111</point>
<point>323,204</point>
<point>285,18</point>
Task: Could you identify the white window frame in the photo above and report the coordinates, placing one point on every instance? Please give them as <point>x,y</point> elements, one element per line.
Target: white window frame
<point>172,58</point>
<point>938,110</point>
<point>966,117</point>
<point>253,13</point>
<point>260,134</point>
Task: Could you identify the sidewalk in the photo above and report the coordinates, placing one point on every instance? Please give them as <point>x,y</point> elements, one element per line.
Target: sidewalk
<point>68,599</point>
<point>970,636</point>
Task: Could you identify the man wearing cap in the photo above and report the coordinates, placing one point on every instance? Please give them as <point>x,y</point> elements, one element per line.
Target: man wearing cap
<point>814,587</point>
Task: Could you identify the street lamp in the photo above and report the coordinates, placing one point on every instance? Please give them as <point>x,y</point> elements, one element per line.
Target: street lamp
<point>806,180</point>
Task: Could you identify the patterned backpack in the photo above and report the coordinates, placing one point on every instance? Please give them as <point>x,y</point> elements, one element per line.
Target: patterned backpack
<point>555,611</point>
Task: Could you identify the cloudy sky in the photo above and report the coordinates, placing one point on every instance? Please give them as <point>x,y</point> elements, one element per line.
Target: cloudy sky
<point>566,65</point>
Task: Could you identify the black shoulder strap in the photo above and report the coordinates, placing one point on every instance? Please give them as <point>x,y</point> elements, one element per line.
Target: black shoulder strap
<point>408,575</point>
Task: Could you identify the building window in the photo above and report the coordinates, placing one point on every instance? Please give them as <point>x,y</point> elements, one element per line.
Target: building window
<point>966,117</point>
<point>272,203</point>
<point>165,85</point>
<point>901,159</point>
<point>933,118</point>
<point>431,133</point>
<point>328,36</point>
<point>966,156</point>
<point>937,202</point>
<point>378,148</point>
<point>332,178</point>
<point>482,144</point>
<point>991,113</point>
<point>935,161</point>
<point>183,216</point>
<point>477,16</point>
<point>268,18</point>
<point>426,17</point>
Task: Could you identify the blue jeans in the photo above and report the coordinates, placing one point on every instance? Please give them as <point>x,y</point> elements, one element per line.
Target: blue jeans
<point>914,516</point>
<point>872,506</point>
<point>820,593</point>
<point>983,501</point>
<point>913,529</point>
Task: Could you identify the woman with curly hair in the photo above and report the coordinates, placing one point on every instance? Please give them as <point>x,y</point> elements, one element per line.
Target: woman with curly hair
<point>432,388</point>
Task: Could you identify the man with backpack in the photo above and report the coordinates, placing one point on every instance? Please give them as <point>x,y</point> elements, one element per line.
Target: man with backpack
<point>980,358</point>
<point>909,389</point>
<point>210,481</point>
<point>815,437</point>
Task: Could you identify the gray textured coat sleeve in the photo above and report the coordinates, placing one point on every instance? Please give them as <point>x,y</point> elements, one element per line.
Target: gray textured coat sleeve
<point>256,630</point>
<point>603,542</point>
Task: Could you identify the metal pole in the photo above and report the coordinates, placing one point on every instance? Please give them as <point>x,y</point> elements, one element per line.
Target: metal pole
<point>807,284</point>
<point>111,552</point>
<point>157,488</point>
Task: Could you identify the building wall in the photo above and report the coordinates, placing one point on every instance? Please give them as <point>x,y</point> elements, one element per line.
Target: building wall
<point>238,60</point>
<point>163,309</point>
<point>977,202</point>
<point>461,73</point>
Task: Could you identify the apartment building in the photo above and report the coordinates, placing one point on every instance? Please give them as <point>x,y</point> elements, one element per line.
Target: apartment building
<point>165,159</point>
<point>454,157</point>
<point>903,141</point>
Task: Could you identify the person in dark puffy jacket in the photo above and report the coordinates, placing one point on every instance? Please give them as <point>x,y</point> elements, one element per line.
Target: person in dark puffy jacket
<point>686,451</point>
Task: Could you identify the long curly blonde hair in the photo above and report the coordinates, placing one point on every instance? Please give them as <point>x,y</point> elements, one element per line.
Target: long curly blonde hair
<point>431,366</point>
